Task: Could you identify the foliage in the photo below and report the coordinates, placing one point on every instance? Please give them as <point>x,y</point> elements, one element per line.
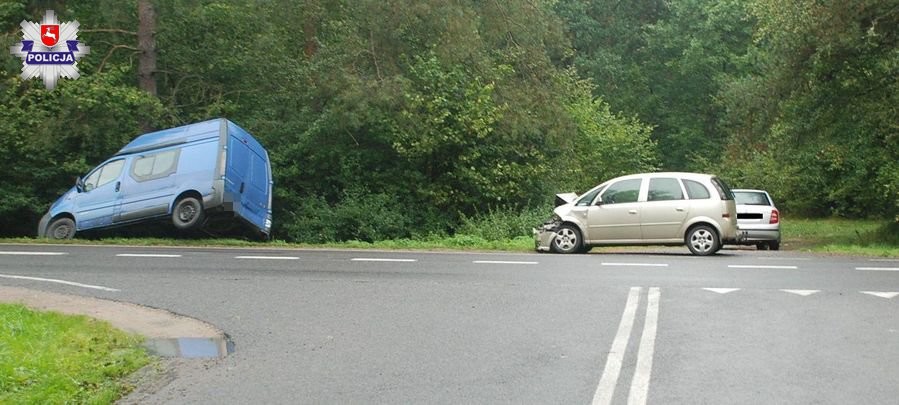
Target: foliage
<point>402,118</point>
<point>54,358</point>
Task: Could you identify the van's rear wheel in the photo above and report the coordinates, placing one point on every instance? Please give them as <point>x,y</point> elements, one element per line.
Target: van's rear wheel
<point>61,228</point>
<point>187,214</point>
<point>703,240</point>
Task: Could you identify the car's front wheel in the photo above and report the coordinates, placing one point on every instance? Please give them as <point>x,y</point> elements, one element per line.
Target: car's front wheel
<point>703,240</point>
<point>567,240</point>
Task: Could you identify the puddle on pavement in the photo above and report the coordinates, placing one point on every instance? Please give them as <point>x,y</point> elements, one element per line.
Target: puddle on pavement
<point>191,348</point>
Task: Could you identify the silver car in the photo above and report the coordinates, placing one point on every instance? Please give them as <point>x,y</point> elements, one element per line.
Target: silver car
<point>759,218</point>
<point>692,209</point>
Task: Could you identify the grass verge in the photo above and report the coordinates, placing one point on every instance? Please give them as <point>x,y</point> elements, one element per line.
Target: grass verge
<point>47,357</point>
<point>831,235</point>
<point>842,236</point>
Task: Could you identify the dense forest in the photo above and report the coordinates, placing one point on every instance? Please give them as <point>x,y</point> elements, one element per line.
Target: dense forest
<point>395,118</point>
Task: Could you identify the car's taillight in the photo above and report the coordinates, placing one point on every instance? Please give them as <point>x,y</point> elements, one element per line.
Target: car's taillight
<point>775,217</point>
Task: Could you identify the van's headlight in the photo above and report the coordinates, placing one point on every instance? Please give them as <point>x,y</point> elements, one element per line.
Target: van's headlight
<point>268,223</point>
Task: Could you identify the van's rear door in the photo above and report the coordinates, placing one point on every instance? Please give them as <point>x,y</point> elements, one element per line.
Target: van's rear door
<point>247,174</point>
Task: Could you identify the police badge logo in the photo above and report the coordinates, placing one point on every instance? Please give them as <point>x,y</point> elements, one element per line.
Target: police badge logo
<point>49,50</point>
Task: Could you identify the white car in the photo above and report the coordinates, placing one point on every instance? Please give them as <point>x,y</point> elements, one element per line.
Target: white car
<point>692,209</point>
<point>759,218</point>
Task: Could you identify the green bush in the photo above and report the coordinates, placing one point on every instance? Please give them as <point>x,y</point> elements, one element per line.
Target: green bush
<point>503,223</point>
<point>359,215</point>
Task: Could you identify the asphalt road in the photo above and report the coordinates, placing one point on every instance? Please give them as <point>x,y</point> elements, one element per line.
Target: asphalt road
<point>640,326</point>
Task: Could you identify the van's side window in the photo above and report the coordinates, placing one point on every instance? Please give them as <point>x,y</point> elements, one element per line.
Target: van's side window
<point>696,190</point>
<point>104,175</point>
<point>155,166</point>
<point>664,189</point>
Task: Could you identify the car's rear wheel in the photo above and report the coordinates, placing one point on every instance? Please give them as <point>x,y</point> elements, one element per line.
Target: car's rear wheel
<point>567,240</point>
<point>187,214</point>
<point>61,228</point>
<point>761,246</point>
<point>702,240</point>
<point>774,245</point>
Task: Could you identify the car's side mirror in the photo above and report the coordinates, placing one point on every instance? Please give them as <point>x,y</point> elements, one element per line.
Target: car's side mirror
<point>79,184</point>
<point>598,201</point>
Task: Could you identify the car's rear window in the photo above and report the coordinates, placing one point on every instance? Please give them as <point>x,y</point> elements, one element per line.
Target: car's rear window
<point>751,198</point>
<point>696,191</point>
<point>723,189</point>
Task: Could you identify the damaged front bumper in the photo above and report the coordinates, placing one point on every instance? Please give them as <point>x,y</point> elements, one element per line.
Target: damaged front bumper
<point>544,235</point>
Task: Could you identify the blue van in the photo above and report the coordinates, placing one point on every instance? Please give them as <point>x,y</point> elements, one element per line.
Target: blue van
<point>191,174</point>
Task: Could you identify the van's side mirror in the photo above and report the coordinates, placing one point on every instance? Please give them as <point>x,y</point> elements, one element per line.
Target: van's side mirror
<point>79,184</point>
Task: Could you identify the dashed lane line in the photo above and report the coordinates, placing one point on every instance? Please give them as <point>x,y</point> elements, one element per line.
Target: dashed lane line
<point>146,255</point>
<point>748,266</point>
<point>53,280</point>
<point>378,259</point>
<point>636,264</point>
<point>33,253</point>
<point>268,257</point>
<point>501,262</point>
<point>877,268</point>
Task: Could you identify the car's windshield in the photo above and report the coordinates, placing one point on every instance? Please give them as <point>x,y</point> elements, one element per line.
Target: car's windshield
<point>751,198</point>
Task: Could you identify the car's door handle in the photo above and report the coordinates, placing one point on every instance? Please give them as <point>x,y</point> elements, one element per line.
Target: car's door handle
<point>241,187</point>
<point>632,212</point>
<point>679,209</point>
<point>118,185</point>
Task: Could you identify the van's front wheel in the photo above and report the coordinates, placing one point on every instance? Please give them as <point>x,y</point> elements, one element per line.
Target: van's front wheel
<point>187,214</point>
<point>61,228</point>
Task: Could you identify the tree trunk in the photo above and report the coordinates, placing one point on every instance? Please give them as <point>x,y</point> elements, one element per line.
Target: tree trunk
<point>146,43</point>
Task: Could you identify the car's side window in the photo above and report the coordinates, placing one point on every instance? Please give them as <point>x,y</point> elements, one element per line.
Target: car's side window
<point>696,190</point>
<point>624,191</point>
<point>664,189</point>
<point>588,198</point>
<point>104,175</point>
<point>155,166</point>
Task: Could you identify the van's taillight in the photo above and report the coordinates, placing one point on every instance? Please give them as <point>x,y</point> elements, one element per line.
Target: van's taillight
<point>775,217</point>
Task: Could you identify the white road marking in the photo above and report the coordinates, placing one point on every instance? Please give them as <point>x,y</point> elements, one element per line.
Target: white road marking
<point>33,253</point>
<point>267,257</point>
<point>144,255</point>
<point>500,262</point>
<point>637,264</point>
<point>51,280</point>
<point>884,260</point>
<point>878,268</point>
<point>741,266</point>
<point>881,294</point>
<point>372,259</point>
<point>640,383</point>
<point>785,258</point>
<point>804,293</point>
<point>609,379</point>
<point>721,290</point>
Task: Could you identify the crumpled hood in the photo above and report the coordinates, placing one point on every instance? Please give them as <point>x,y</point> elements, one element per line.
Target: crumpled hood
<point>565,198</point>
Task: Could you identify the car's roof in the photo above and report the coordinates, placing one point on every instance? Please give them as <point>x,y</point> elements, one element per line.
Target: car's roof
<point>686,175</point>
<point>747,190</point>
